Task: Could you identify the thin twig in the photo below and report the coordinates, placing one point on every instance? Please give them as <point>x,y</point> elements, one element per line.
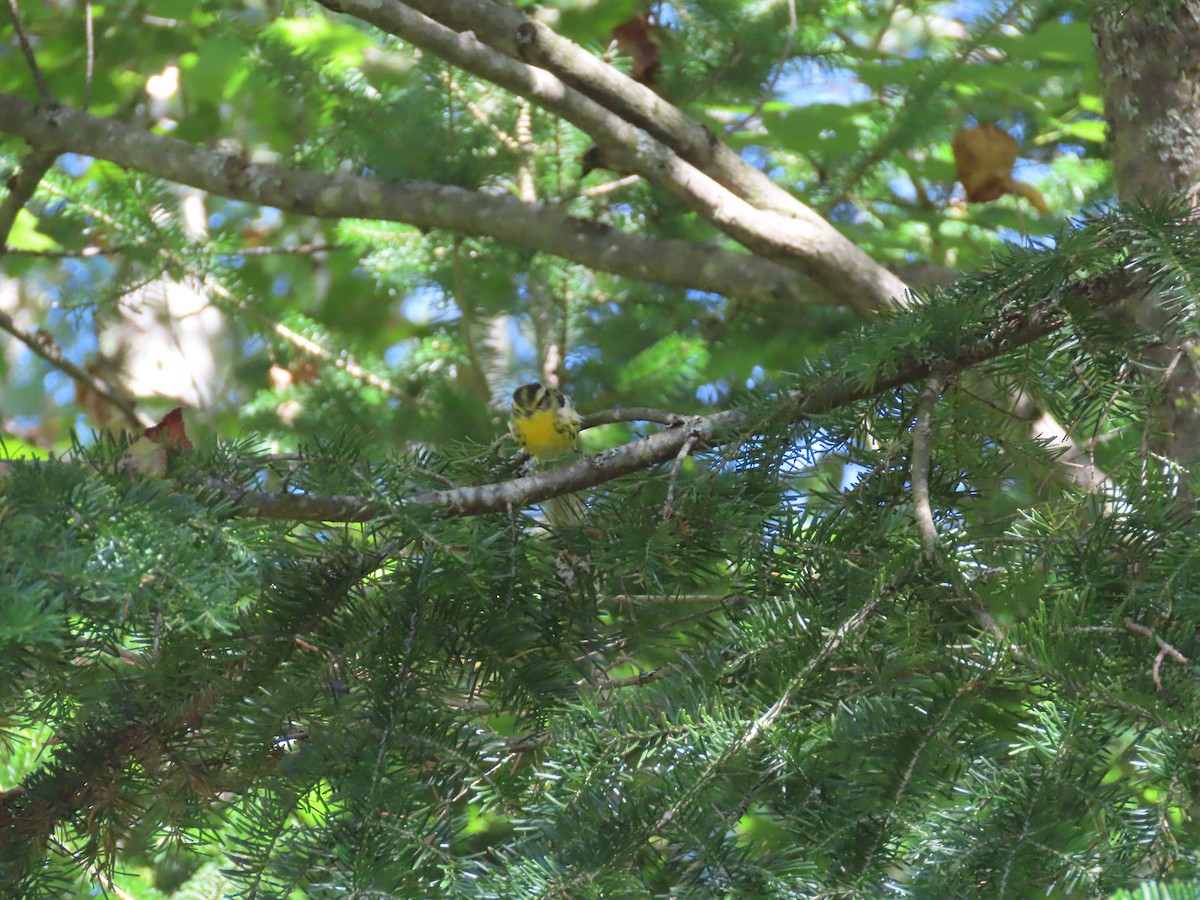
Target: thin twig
<point>479,115</point>
<point>685,451</point>
<point>90,36</point>
<point>608,187</point>
<point>43,345</point>
<point>477,379</point>
<point>1165,649</point>
<point>764,721</point>
<point>633,680</point>
<point>1156,673</point>
<point>633,414</point>
<point>94,869</point>
<point>27,49</point>
<point>305,345</point>
<point>298,250</point>
<point>114,249</point>
<point>921,447</point>
<point>769,89</point>
<point>81,253</point>
<point>660,599</point>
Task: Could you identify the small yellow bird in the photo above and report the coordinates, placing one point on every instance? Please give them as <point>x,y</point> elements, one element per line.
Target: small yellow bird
<point>546,425</point>
<point>543,421</point>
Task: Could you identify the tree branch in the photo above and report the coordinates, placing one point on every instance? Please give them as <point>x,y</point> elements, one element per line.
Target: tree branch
<point>421,203</point>
<point>1094,292</point>
<point>810,245</point>
<point>27,50</point>
<point>826,253</point>
<point>21,184</point>
<point>525,38</point>
<point>43,345</point>
<point>919,468</point>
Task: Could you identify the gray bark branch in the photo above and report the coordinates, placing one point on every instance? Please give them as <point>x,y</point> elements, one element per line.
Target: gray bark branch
<point>1038,321</point>
<point>810,245</point>
<point>424,204</point>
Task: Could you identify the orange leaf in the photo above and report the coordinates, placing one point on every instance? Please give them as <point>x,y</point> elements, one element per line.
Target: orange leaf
<point>635,38</point>
<point>148,454</point>
<point>170,432</point>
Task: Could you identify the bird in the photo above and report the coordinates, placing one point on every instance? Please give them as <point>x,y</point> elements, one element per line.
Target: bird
<point>546,425</point>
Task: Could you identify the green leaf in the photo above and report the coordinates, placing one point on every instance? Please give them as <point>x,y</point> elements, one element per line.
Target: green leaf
<point>828,130</point>
<point>26,236</point>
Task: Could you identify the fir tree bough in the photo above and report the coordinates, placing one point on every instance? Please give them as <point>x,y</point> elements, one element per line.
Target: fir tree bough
<point>837,621</point>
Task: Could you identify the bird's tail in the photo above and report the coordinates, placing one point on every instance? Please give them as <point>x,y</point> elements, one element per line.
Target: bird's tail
<point>565,510</point>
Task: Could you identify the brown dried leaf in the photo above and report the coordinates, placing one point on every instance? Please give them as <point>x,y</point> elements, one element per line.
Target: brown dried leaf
<point>983,159</point>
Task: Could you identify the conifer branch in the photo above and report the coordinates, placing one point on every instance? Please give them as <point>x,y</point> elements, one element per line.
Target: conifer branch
<point>1018,329</point>
<point>89,763</point>
<point>767,719</point>
<point>424,204</point>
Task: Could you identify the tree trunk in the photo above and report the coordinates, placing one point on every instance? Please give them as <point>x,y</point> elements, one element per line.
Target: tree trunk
<point>1150,73</point>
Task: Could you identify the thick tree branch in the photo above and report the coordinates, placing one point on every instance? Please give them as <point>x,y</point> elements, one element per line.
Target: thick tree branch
<point>820,249</point>
<point>508,30</point>
<point>811,245</point>
<point>424,204</point>
<point>836,391</point>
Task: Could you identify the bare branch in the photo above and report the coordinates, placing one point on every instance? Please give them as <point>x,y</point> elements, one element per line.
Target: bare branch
<point>21,184</point>
<point>633,414</point>
<point>524,38</point>
<point>608,684</point>
<point>668,508</point>
<point>44,346</point>
<point>27,50</point>
<point>421,203</point>
<point>90,40</point>
<point>921,446</point>
<point>609,187</point>
<point>1165,649</point>
<point>769,89</point>
<point>836,391</point>
<point>809,244</point>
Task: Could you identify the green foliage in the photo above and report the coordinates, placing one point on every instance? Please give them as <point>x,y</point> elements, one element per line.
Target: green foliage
<point>742,673</point>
